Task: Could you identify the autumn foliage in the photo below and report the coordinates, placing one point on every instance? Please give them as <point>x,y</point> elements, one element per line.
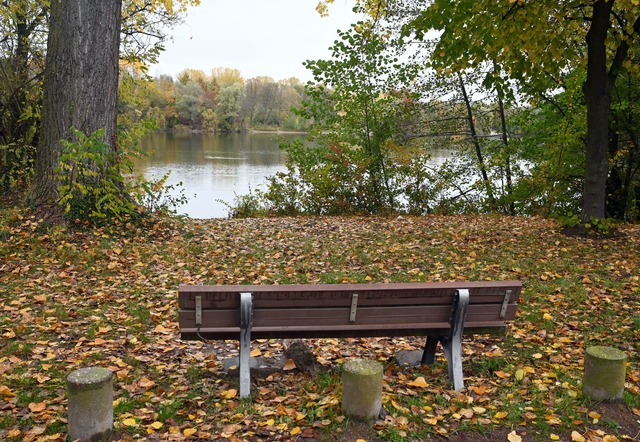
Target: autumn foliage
<point>77,298</point>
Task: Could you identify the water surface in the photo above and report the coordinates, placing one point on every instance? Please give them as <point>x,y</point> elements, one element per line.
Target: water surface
<point>213,168</point>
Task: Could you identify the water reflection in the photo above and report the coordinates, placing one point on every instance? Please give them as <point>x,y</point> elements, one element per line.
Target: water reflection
<point>212,167</point>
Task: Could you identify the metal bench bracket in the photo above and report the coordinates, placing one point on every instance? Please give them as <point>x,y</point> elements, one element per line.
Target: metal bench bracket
<point>198,310</point>
<point>246,322</point>
<point>505,304</point>
<point>451,344</point>
<point>354,307</point>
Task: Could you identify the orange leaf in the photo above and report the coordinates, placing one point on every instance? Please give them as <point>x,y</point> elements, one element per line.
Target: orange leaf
<point>290,365</point>
<point>418,382</point>
<point>146,383</point>
<point>37,407</point>
<point>6,391</point>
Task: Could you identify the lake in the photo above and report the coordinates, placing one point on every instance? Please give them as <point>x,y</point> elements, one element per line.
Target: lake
<point>212,167</point>
<point>215,168</point>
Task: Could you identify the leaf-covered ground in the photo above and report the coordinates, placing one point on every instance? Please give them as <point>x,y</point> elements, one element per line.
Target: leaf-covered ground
<point>74,298</point>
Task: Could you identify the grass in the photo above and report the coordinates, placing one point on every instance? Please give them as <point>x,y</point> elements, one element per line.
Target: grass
<point>108,297</point>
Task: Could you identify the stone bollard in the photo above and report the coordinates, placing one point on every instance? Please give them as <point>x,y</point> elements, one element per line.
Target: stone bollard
<point>362,388</point>
<point>604,373</point>
<point>90,393</point>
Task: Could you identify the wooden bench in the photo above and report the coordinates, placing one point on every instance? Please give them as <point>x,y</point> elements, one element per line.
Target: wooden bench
<point>440,311</point>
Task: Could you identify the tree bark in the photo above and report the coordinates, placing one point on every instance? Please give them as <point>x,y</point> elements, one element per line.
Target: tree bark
<point>80,86</point>
<point>597,92</point>
<point>476,143</point>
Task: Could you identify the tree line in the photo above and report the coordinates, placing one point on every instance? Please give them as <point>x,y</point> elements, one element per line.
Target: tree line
<point>222,101</point>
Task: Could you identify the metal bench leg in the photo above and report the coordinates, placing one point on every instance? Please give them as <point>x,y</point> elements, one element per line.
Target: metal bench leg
<point>246,322</point>
<point>429,355</point>
<point>453,343</point>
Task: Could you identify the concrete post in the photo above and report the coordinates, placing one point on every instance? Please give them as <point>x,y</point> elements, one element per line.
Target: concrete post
<point>90,394</point>
<point>362,388</point>
<point>604,373</point>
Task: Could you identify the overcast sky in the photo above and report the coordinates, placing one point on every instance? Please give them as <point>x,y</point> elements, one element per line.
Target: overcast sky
<point>258,37</point>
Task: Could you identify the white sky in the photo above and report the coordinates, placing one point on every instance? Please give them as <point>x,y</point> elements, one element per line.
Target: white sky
<point>257,37</point>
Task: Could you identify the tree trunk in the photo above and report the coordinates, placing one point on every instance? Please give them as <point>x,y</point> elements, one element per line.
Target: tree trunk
<point>597,92</point>
<point>80,86</point>
<point>476,143</point>
<point>507,156</point>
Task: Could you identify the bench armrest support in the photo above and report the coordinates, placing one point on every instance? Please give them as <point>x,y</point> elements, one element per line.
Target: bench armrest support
<point>246,323</point>
<point>451,344</point>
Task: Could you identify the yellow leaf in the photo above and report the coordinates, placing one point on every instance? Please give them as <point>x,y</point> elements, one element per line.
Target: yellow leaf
<point>553,436</point>
<point>156,425</point>
<point>431,421</point>
<point>295,431</point>
<point>361,440</point>
<point>130,422</point>
<point>513,437</point>
<point>290,365</point>
<point>418,382</point>
<point>14,433</point>
<point>520,374</point>
<point>501,374</point>
<point>536,356</point>
<point>577,437</point>
<point>500,415</point>
<point>595,415</point>
<point>610,438</point>
<point>6,391</point>
<point>255,353</point>
<point>229,394</point>
<point>189,432</point>
<point>547,317</point>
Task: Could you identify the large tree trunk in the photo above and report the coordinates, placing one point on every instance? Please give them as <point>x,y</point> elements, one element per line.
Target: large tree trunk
<point>597,93</point>
<point>80,87</point>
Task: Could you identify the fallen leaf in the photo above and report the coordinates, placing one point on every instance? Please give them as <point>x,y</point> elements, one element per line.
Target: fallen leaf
<point>129,422</point>
<point>500,415</point>
<point>290,365</point>
<point>146,383</point>
<point>418,382</point>
<point>156,425</point>
<point>189,432</point>
<point>6,391</point>
<point>228,430</point>
<point>513,437</point>
<point>577,437</point>
<point>37,407</point>
<point>229,394</point>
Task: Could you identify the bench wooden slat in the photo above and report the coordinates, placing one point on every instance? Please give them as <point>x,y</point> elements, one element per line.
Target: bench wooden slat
<point>425,315</point>
<point>312,332</point>
<point>340,295</point>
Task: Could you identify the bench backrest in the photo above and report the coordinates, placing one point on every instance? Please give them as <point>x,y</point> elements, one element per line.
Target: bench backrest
<point>343,310</point>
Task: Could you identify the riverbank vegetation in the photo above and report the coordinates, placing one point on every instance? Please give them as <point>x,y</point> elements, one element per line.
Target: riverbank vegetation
<point>222,101</point>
